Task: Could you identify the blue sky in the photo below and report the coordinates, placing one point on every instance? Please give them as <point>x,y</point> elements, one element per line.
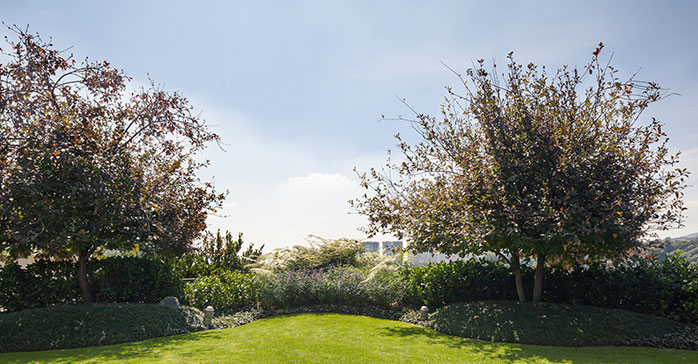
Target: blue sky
<point>296,88</point>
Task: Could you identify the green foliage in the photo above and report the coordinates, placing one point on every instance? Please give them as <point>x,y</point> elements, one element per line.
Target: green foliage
<point>225,291</point>
<point>86,167</point>
<point>134,280</point>
<point>77,326</point>
<point>561,325</point>
<point>40,284</point>
<point>667,288</point>
<point>115,279</point>
<point>217,254</point>
<point>346,285</point>
<point>460,281</point>
<point>688,245</point>
<point>531,165</point>
<point>322,337</point>
<point>322,253</point>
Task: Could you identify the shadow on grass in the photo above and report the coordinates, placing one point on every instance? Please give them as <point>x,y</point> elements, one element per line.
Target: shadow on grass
<point>506,352</point>
<point>151,349</point>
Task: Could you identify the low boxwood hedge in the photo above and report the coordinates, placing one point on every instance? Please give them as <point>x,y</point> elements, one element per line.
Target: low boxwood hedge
<point>73,326</point>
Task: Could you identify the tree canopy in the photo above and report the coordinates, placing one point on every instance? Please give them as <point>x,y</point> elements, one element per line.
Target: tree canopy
<point>530,165</point>
<point>86,165</point>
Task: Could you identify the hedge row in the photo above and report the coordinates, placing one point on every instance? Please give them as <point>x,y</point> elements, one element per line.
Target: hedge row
<point>113,279</point>
<point>668,288</point>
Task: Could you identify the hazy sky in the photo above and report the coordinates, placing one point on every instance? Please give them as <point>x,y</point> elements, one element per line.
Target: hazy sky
<point>296,88</point>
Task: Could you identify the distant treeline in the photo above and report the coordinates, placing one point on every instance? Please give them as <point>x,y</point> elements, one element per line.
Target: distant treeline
<point>687,244</point>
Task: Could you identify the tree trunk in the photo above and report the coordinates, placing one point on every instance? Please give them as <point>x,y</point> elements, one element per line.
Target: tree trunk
<point>516,267</point>
<point>538,278</point>
<point>85,288</point>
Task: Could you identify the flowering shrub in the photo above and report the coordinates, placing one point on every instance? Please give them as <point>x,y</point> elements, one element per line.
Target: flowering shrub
<point>225,291</point>
<point>332,285</point>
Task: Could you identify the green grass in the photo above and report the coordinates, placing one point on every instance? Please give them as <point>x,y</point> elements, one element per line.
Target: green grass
<point>561,325</point>
<point>334,338</point>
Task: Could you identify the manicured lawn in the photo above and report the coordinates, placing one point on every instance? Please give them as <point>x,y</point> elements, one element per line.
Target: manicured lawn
<point>334,338</point>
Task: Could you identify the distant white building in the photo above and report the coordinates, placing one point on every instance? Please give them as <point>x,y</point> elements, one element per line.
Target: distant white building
<point>382,248</point>
<point>372,246</point>
<point>389,247</point>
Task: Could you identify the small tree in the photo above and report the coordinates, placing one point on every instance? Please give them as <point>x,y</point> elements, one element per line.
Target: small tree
<point>532,166</point>
<point>218,253</point>
<point>86,167</point>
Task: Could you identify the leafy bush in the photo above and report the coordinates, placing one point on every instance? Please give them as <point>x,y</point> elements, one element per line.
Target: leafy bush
<point>226,291</point>
<point>74,326</point>
<point>668,288</point>
<point>459,281</point>
<point>332,285</point>
<point>114,279</point>
<point>40,284</point>
<point>134,280</point>
<point>217,253</point>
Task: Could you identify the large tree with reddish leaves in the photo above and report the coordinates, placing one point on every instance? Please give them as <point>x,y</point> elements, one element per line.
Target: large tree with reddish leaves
<point>87,166</point>
<point>527,165</point>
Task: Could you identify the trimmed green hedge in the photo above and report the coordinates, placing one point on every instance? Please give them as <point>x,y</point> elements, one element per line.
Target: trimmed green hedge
<point>113,279</point>
<point>40,284</point>
<point>134,280</point>
<point>668,288</point>
<point>73,326</point>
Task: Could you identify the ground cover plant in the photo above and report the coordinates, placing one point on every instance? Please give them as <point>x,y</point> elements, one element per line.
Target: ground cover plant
<point>332,338</point>
<point>88,325</point>
<point>561,325</point>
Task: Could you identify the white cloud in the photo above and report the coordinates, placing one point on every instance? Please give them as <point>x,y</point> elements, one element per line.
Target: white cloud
<point>315,204</point>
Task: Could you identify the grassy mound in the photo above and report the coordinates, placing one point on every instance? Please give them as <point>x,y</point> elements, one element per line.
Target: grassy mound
<point>60,327</point>
<point>561,325</point>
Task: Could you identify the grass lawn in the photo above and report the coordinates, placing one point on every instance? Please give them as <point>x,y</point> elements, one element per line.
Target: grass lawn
<point>334,338</point>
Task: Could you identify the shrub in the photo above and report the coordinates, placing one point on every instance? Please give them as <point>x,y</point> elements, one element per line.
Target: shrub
<point>114,279</point>
<point>40,284</point>
<point>459,281</point>
<point>332,286</point>
<point>668,288</point>
<point>226,291</point>
<point>217,253</point>
<point>74,326</point>
<point>134,280</point>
